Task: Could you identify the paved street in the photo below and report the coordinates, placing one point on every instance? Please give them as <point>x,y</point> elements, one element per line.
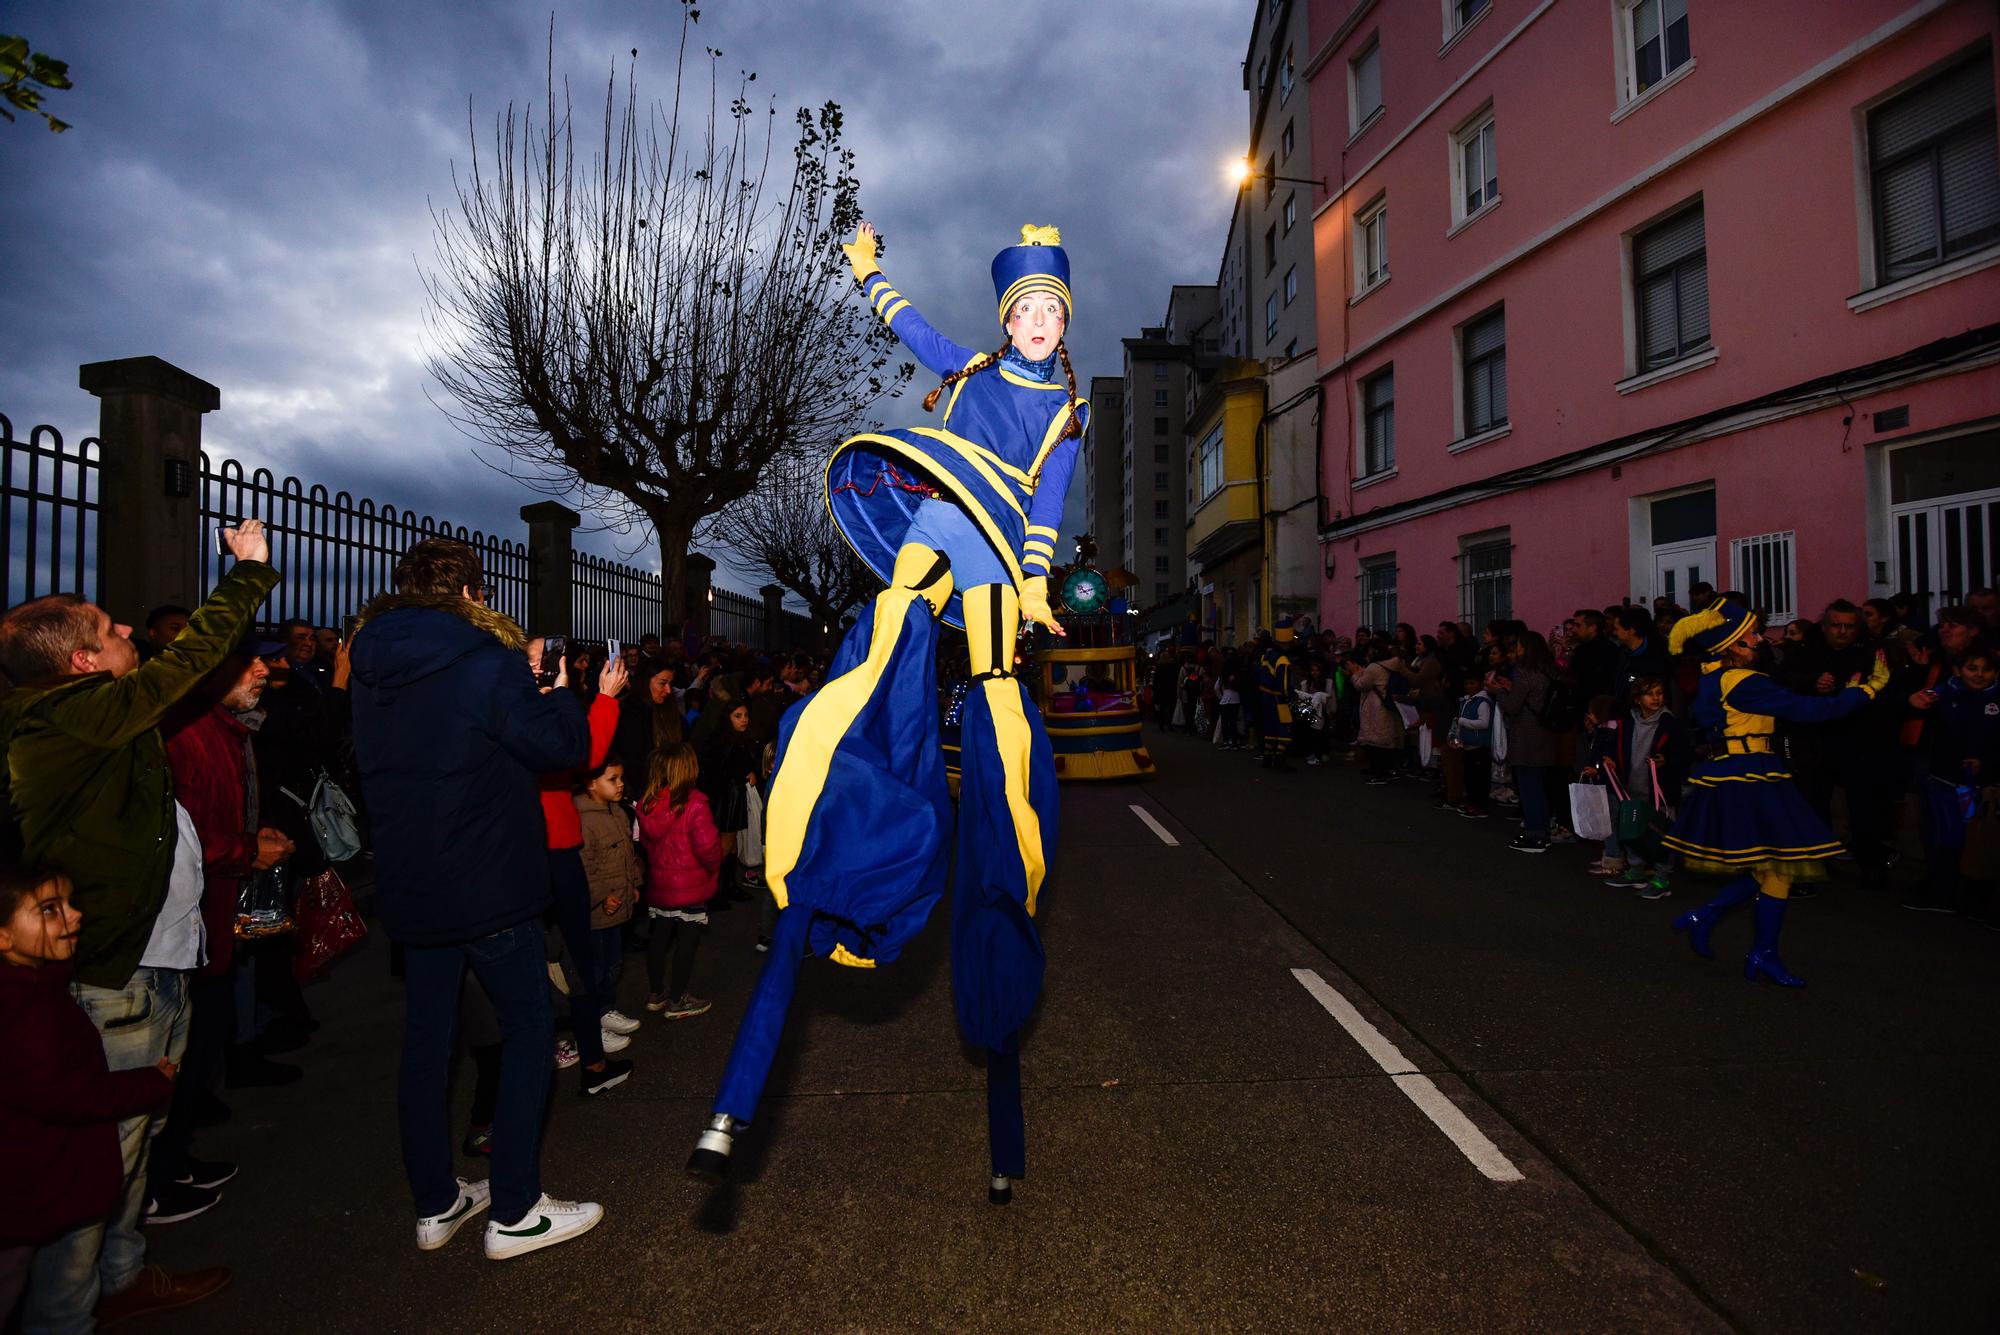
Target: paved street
<point>1210,1146</point>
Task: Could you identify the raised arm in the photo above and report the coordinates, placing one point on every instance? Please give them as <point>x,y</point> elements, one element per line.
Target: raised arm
<point>1758,694</point>
<point>939,354</point>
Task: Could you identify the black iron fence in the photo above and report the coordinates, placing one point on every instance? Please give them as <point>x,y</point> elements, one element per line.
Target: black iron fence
<point>48,513</point>
<point>336,552</point>
<point>611,601</point>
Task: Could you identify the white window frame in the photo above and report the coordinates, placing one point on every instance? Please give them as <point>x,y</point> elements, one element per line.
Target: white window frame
<point>1209,468</point>
<point>1453,28</point>
<point>1625,55</point>
<point>1291,212</point>
<point>1364,570</point>
<point>1359,117</point>
<point>1366,276</point>
<point>1287,140</point>
<point>1270,317</point>
<point>1288,78</point>
<point>1469,130</point>
<point>1363,472</point>
<point>1745,556</point>
<point>1291,284</point>
<point>1462,427</point>
<point>1468,597</point>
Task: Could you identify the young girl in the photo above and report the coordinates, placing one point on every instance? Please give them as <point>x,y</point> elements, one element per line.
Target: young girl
<point>60,1104</point>
<point>1471,739</point>
<point>683,854</point>
<point>611,864</point>
<point>1645,747</point>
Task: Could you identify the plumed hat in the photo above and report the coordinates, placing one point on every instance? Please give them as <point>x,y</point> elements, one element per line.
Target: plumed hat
<point>1039,263</point>
<point>1285,631</point>
<point>1707,633</point>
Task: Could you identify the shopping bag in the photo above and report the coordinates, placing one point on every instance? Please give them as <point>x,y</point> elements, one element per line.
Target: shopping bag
<point>264,903</point>
<point>328,925</point>
<point>1426,748</point>
<point>1590,807</point>
<point>750,843</point>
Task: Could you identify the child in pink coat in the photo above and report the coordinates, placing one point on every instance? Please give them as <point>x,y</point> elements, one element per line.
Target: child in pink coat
<point>683,854</point>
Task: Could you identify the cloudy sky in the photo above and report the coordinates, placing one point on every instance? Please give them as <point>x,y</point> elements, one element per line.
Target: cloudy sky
<point>247,188</point>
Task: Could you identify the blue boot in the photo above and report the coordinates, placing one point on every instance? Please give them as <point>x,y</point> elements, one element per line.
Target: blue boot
<point>1763,958</point>
<point>1697,923</point>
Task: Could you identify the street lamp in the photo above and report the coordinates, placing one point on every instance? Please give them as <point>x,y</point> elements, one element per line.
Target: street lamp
<point>1242,174</point>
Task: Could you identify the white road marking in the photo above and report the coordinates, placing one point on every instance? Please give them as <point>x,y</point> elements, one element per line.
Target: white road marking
<point>1156,827</point>
<point>1471,1141</point>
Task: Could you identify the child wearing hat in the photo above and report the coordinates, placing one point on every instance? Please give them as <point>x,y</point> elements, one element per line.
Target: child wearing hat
<point>959,520</point>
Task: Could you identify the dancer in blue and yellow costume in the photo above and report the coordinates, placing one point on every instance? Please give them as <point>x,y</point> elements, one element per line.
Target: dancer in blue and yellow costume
<point>960,519</point>
<point>1743,817</point>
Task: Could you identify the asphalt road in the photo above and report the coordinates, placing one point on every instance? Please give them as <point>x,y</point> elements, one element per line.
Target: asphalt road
<point>1210,1146</point>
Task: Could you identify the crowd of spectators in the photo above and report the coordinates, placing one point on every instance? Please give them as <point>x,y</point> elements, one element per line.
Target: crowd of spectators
<point>1504,720</point>
<point>166,801</point>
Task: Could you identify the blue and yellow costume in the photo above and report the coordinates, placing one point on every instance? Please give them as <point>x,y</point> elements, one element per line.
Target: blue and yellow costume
<point>960,520</point>
<point>1274,695</point>
<point>1742,816</point>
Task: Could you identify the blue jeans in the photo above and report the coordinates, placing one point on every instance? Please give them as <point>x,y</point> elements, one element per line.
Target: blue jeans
<point>1531,785</point>
<point>586,1006</point>
<point>512,966</point>
<point>607,958</point>
<point>141,1022</point>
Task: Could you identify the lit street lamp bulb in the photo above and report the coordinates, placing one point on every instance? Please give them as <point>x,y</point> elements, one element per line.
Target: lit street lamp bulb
<point>1239,171</point>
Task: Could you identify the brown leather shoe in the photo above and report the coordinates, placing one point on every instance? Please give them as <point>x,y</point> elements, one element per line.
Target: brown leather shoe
<point>157,1291</point>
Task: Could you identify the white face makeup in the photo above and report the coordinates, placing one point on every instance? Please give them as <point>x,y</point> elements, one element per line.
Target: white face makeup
<point>1035,325</point>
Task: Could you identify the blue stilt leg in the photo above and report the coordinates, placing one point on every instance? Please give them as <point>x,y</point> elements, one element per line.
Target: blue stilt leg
<point>756,1045</point>
<point>1006,1130</point>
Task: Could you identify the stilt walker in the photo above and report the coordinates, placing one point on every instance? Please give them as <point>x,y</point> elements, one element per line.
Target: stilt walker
<point>960,520</point>
<point>1743,817</point>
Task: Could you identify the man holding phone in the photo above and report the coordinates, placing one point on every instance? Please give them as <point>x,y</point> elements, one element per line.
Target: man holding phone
<point>450,732</point>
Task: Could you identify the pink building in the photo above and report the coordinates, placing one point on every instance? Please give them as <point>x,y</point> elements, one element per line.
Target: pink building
<point>1617,295</point>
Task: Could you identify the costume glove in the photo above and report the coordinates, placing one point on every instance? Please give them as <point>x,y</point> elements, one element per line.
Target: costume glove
<point>860,254</point>
<point>1035,604</point>
<point>1878,676</point>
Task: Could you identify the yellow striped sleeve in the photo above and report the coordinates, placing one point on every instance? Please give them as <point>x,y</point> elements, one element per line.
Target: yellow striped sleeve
<point>1041,531</point>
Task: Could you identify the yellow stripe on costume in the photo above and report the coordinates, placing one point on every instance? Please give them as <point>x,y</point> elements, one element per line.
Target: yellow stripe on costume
<point>903,450</point>
<point>900,305</point>
<point>883,296</point>
<point>1042,531</point>
<point>1035,282</point>
<point>1012,734</point>
<point>979,359</point>
<point>831,712</point>
<point>1042,545</point>
<point>1050,438</point>
<point>980,459</point>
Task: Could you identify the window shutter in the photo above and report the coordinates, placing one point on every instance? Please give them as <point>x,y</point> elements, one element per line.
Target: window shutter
<point>1484,335</point>
<point>1497,370</point>
<point>1694,306</point>
<point>1925,113</point>
<point>1668,243</point>
<point>1906,201</point>
<point>1479,401</point>
<point>1656,319</point>
<point>1969,167</point>
<point>1368,82</point>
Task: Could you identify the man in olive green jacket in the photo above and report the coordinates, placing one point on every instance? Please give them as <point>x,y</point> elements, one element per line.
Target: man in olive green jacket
<point>89,794</point>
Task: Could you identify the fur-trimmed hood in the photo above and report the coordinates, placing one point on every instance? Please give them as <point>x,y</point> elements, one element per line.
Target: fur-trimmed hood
<point>404,637</point>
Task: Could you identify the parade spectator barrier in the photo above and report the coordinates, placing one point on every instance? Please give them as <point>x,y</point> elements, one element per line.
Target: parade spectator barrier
<point>124,517</point>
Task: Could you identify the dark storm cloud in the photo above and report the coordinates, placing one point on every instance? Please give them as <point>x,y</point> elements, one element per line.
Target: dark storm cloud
<point>246,191</point>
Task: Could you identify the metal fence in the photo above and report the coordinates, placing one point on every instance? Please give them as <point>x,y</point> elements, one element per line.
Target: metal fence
<point>48,513</point>
<point>336,552</point>
<point>612,601</point>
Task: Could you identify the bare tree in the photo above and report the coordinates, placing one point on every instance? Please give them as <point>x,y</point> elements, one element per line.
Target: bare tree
<point>783,532</point>
<point>644,332</point>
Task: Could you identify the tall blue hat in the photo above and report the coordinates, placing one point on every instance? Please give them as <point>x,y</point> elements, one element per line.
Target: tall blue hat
<point>1709,632</point>
<point>1038,263</point>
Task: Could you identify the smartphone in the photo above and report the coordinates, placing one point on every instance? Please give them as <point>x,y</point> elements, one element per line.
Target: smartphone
<point>555,648</point>
<point>222,536</point>
<point>613,646</point>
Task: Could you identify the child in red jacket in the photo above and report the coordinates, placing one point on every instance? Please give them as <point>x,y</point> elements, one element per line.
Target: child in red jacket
<point>683,854</point>
<point>59,1103</point>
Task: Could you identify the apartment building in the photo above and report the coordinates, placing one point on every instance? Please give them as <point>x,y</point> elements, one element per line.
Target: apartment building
<point>1266,275</point>
<point>1164,370</point>
<point>1103,468</point>
<point>1718,303</point>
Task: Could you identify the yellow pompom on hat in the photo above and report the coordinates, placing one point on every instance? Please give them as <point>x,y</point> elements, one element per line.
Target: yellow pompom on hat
<point>1037,264</point>
<point>1711,631</point>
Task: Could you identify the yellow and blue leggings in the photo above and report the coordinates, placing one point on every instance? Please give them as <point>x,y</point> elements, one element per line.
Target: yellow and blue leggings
<point>858,829</point>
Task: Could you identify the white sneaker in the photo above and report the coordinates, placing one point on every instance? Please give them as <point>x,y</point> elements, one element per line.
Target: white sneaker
<point>550,1222</point>
<point>613,1040</point>
<point>435,1231</point>
<point>618,1022</point>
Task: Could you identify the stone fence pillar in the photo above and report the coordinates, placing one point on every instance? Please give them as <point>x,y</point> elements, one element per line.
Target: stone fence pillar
<point>551,530</point>
<point>700,592</point>
<point>149,466</point>
<point>774,616</point>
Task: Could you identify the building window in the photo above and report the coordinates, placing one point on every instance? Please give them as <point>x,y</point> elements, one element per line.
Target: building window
<point>1159,509</point>
<point>1291,284</point>
<point>1270,177</point>
<point>1159,535</point>
<point>1291,212</point>
<point>1271,316</point>
<point>1655,33</point>
<point>1378,423</point>
<point>1932,168</point>
<point>1371,244</point>
<point>1670,289</point>
<point>1285,142</point>
<point>1270,248</point>
<point>1291,349</point>
<point>1475,166</point>
<point>1378,591</point>
<point>1159,593</point>
<point>1485,579</point>
<point>1458,13</point>
<point>1483,354</point>
<point>1159,370</point>
<point>1287,77</point>
<point>1160,481</point>
<point>1762,568</point>
<point>1364,86</point>
<point>1211,464</point>
<point>1159,399</point>
<point>1263,74</point>
<point>1160,449</point>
